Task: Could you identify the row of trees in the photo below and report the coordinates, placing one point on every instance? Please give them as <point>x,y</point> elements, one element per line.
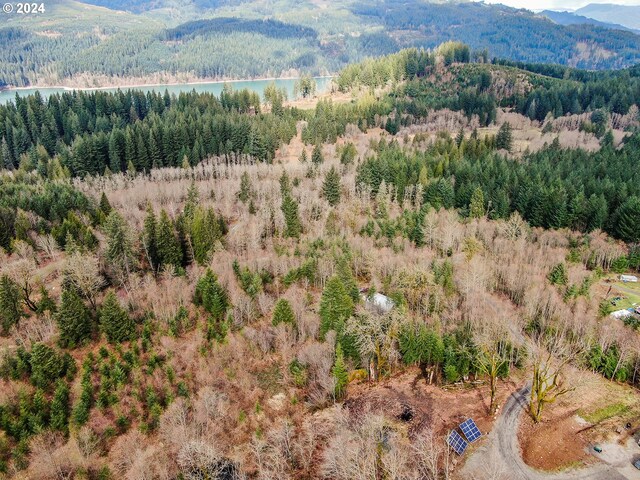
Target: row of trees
<point>94,132</point>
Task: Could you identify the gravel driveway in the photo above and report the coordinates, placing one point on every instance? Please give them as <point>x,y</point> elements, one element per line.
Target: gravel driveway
<point>499,458</point>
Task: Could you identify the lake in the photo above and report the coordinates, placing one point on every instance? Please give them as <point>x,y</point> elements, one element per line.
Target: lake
<point>257,86</point>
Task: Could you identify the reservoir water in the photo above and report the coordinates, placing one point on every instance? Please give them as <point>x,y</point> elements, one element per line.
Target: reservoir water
<point>257,86</point>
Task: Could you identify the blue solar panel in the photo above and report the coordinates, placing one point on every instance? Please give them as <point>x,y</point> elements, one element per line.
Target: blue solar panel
<point>456,442</point>
<point>470,430</point>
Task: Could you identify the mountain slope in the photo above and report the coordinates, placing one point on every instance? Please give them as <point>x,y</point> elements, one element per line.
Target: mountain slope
<point>569,18</point>
<point>626,15</point>
<point>250,38</point>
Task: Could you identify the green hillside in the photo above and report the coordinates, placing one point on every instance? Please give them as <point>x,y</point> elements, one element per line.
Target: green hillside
<point>240,39</point>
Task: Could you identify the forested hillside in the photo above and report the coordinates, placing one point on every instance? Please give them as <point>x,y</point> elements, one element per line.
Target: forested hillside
<point>81,44</point>
<point>94,133</point>
<point>190,286</point>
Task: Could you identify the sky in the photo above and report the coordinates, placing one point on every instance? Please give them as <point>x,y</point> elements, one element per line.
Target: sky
<point>558,4</point>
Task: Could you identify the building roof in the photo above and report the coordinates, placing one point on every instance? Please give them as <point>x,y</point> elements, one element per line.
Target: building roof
<point>621,313</point>
<point>380,301</point>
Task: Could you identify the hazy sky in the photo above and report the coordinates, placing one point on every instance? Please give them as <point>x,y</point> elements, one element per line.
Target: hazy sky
<point>558,4</point>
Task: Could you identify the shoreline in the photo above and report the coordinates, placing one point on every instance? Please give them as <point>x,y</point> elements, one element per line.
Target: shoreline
<point>149,85</point>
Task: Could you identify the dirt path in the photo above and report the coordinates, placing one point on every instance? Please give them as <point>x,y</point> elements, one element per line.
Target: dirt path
<point>500,456</point>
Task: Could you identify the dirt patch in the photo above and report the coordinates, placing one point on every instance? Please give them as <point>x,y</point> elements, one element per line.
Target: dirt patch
<point>555,443</point>
<point>407,398</point>
<point>309,103</point>
<point>569,429</point>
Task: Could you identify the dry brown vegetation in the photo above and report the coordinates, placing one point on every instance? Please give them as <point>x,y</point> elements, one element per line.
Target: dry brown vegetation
<point>245,408</point>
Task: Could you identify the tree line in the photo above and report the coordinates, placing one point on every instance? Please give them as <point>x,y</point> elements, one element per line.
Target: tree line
<point>555,90</point>
<point>90,133</point>
<point>552,188</point>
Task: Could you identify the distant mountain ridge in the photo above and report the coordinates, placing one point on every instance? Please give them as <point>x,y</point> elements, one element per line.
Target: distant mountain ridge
<point>570,18</point>
<point>101,40</point>
<point>626,15</point>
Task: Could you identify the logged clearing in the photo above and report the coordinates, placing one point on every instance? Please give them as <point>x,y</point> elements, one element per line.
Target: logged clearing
<point>596,413</point>
<point>409,399</point>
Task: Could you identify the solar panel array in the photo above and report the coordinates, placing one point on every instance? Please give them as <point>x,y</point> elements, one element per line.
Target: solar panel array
<point>456,442</point>
<point>470,430</point>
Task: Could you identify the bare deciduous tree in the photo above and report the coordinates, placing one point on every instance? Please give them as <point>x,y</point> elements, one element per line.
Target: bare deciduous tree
<point>376,339</point>
<point>83,272</point>
<point>432,456</point>
<point>549,382</point>
<point>23,271</point>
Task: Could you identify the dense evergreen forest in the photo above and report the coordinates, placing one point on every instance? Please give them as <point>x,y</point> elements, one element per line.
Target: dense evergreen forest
<point>78,40</point>
<point>553,188</point>
<point>89,133</point>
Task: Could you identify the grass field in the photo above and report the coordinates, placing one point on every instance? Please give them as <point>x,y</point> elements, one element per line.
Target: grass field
<point>630,293</point>
<point>619,406</point>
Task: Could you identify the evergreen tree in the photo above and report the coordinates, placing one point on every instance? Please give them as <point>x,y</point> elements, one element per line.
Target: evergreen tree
<point>504,138</point>
<point>344,271</point>
<point>597,212</point>
<point>558,275</point>
<point>316,155</point>
<point>303,156</point>
<point>348,154</point>
<point>83,406</point>
<point>149,235</point>
<point>119,251</point>
<point>293,227</point>
<point>105,206</point>
<point>155,154</point>
<point>331,187</point>
<point>39,412</point>
<point>167,244</point>
<point>210,295</point>
<point>114,320</point>
<point>116,151</point>
<point>60,407</point>
<point>285,184</point>
<point>129,151</point>
<point>192,202</point>
<point>340,374</point>
<point>46,303</point>
<point>74,320</point>
<point>283,313</point>
<point>417,233</point>
<point>246,190</point>
<point>6,157</point>
<point>476,206</point>
<point>10,310</point>
<point>46,365</point>
<point>206,232</point>
<point>627,220</point>
<point>142,156</point>
<point>305,86</point>
<point>336,306</point>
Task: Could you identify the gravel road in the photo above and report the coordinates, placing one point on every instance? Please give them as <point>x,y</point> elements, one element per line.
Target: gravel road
<point>499,458</point>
